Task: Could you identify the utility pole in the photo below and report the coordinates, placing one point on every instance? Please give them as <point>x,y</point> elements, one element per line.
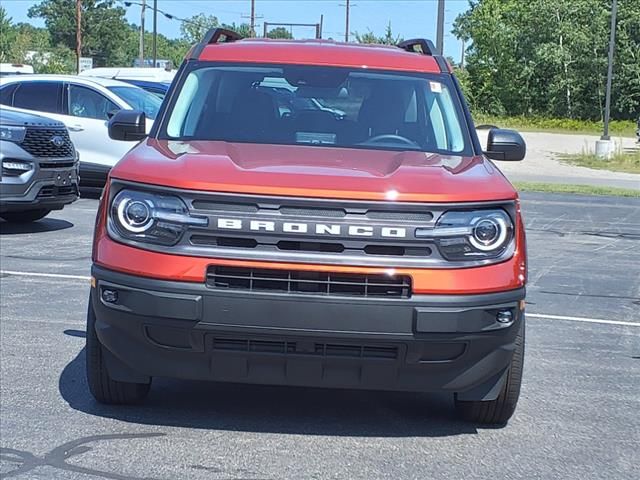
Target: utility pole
<point>604,146</point>
<point>346,30</point>
<point>462,55</point>
<point>440,29</point>
<point>144,6</point>
<point>253,18</point>
<point>155,33</point>
<point>78,34</point>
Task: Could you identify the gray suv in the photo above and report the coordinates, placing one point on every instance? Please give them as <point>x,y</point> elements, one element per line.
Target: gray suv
<point>39,166</point>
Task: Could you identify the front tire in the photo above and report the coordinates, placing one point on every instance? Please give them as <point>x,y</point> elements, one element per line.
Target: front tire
<point>25,217</point>
<point>500,410</point>
<point>103,388</point>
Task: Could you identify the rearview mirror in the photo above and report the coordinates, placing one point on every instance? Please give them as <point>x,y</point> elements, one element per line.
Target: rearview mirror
<point>505,145</point>
<point>128,125</point>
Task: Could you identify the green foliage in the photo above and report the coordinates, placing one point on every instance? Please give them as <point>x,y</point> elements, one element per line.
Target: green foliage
<point>575,189</point>
<point>279,32</point>
<point>549,57</point>
<point>195,28</point>
<point>387,39</point>
<point>619,162</point>
<point>623,128</point>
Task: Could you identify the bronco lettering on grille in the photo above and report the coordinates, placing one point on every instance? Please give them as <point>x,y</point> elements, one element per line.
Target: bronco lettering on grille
<point>335,230</point>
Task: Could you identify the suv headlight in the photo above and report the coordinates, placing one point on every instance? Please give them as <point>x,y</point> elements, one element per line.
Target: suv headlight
<point>471,235</point>
<point>151,218</point>
<point>12,134</point>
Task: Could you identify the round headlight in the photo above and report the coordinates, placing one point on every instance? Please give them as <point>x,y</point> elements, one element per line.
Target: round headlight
<point>135,215</point>
<point>489,233</point>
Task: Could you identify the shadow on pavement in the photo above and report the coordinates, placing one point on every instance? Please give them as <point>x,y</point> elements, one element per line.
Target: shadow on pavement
<point>44,225</point>
<point>271,409</point>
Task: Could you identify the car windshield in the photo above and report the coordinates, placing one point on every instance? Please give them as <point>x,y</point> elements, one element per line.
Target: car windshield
<point>139,99</point>
<point>319,106</point>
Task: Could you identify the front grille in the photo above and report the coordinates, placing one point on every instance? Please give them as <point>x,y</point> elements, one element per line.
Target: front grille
<point>51,191</point>
<point>48,165</point>
<point>284,347</point>
<point>306,282</point>
<point>38,142</point>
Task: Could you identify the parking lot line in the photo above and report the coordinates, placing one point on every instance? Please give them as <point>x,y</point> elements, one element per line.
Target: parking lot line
<point>48,275</point>
<point>585,320</point>
<point>531,315</point>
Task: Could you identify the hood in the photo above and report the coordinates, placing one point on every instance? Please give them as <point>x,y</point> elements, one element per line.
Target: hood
<point>306,171</point>
<point>12,117</point>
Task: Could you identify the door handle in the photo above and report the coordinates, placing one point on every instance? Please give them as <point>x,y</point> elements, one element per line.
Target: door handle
<point>75,128</point>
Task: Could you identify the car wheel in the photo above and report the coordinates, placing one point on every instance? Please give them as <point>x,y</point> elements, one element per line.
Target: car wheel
<point>25,217</point>
<point>102,386</point>
<point>500,410</point>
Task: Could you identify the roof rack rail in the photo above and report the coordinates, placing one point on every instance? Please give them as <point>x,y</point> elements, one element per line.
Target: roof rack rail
<point>425,47</point>
<point>215,35</point>
<point>419,45</point>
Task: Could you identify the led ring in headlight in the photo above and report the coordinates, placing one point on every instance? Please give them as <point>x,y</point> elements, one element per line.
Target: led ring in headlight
<point>135,215</point>
<point>489,233</point>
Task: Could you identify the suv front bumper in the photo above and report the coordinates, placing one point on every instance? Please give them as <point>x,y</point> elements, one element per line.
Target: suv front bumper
<point>187,330</point>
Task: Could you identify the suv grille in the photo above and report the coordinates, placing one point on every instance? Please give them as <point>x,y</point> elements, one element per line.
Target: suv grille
<point>38,142</point>
<point>51,191</point>
<point>316,349</point>
<point>304,282</point>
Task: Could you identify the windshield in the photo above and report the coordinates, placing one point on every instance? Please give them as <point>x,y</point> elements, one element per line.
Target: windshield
<point>139,99</point>
<point>319,106</point>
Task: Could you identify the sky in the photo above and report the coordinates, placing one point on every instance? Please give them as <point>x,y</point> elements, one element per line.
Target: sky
<point>409,18</point>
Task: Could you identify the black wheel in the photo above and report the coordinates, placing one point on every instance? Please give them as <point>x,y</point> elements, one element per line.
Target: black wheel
<point>500,410</point>
<point>25,217</point>
<point>102,386</point>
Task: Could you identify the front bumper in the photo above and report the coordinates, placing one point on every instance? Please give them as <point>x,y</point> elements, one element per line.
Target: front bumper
<point>51,189</point>
<point>187,330</point>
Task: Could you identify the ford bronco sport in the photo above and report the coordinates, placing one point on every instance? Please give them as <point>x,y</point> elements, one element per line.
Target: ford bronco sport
<point>356,238</point>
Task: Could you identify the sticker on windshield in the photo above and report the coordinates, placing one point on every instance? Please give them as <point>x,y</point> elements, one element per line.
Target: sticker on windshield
<point>436,87</point>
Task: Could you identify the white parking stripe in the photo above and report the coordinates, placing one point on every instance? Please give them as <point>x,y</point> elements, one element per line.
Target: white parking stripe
<point>585,320</point>
<point>530,315</point>
<point>49,275</point>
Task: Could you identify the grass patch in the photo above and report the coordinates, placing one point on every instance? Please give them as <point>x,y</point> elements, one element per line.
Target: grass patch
<point>617,128</point>
<point>576,189</point>
<point>619,162</point>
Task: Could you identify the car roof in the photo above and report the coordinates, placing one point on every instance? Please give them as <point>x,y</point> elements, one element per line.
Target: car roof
<point>147,83</point>
<point>90,81</point>
<point>319,52</point>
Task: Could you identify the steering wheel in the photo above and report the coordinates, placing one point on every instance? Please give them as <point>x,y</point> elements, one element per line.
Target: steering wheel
<point>390,138</point>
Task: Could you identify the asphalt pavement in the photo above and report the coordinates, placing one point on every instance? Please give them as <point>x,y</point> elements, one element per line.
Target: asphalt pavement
<point>578,415</point>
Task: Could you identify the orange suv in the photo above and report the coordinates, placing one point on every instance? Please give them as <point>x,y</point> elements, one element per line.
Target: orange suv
<point>316,214</point>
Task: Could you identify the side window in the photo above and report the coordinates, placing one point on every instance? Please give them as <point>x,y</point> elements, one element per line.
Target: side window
<point>39,96</point>
<point>6,94</point>
<point>87,103</point>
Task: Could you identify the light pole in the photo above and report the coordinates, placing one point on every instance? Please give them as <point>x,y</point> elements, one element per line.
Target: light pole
<point>604,146</point>
<point>78,33</point>
<point>440,29</point>
<point>155,33</point>
<point>144,6</point>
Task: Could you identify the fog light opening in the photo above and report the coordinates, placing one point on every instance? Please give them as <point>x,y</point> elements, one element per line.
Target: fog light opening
<point>504,316</point>
<point>110,296</point>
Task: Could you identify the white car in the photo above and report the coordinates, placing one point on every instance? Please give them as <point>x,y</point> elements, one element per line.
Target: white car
<point>84,105</point>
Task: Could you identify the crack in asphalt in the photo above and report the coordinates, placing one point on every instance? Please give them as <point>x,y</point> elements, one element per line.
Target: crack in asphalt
<point>57,458</point>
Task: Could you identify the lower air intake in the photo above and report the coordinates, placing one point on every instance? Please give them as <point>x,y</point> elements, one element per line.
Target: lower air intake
<point>305,282</point>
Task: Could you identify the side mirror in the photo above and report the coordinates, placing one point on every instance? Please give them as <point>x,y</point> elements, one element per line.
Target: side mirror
<point>128,125</point>
<point>505,145</point>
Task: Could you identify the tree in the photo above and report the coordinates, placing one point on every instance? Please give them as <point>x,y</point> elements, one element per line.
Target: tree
<point>194,29</point>
<point>279,32</point>
<point>387,39</point>
<point>549,57</point>
<point>7,37</point>
<point>104,28</point>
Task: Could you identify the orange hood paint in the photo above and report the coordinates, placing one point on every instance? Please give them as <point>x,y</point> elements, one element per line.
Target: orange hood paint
<point>323,172</point>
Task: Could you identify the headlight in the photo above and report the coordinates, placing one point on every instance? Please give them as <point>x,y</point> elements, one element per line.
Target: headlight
<point>12,134</point>
<point>151,218</point>
<point>15,168</point>
<point>471,235</point>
